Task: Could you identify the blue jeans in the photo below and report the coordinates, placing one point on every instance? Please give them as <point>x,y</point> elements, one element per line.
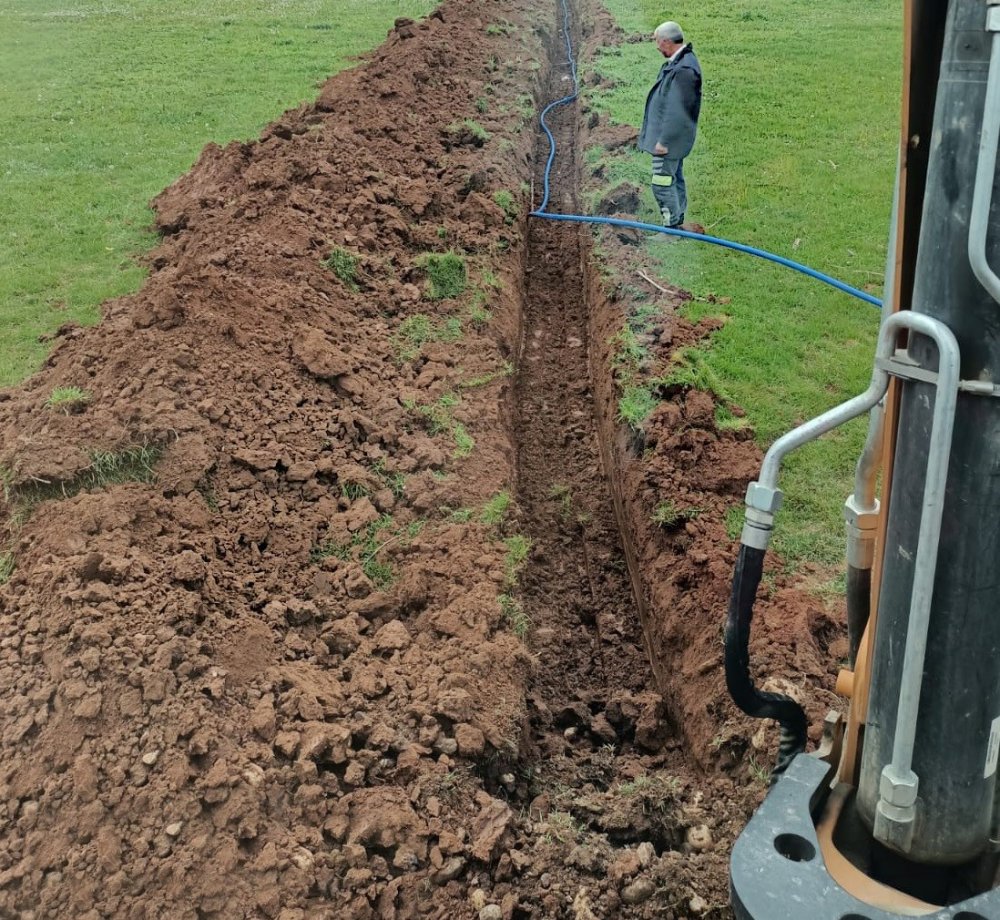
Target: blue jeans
<point>669,189</point>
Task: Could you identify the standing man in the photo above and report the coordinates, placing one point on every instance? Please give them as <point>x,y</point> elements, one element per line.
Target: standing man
<point>670,122</point>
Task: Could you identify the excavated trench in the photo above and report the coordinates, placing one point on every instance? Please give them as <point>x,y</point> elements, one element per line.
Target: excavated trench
<point>577,591</point>
<point>577,594</point>
<point>604,764</point>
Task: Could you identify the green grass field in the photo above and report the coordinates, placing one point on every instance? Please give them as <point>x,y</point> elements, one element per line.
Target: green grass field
<point>104,104</point>
<point>796,154</point>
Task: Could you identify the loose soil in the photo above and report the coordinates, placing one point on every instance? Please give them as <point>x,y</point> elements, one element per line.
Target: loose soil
<point>286,655</point>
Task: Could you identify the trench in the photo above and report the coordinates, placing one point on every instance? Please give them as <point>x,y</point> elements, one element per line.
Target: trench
<point>576,589</point>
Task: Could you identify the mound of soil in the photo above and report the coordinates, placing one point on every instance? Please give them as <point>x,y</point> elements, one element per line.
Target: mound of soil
<point>278,641</point>
<point>242,688</point>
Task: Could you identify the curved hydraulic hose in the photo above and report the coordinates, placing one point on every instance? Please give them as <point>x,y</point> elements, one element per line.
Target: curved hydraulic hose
<point>542,213</point>
<point>756,703</point>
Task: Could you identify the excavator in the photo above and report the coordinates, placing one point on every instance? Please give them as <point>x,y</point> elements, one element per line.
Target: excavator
<point>897,813</point>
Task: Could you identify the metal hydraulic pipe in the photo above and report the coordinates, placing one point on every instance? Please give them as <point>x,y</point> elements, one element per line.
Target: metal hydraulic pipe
<point>982,197</point>
<point>898,786</point>
<point>763,499</point>
<point>866,471</point>
<point>846,411</point>
<point>861,510</point>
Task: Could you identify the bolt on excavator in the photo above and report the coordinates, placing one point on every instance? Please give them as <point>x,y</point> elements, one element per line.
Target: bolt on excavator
<point>897,814</point>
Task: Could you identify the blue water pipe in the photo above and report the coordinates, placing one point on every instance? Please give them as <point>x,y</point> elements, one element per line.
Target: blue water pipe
<point>544,214</point>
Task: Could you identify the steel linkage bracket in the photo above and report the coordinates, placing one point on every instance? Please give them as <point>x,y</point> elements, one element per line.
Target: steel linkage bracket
<point>777,870</point>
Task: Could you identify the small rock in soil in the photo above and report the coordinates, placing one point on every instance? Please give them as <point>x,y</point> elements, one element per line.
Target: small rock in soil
<point>625,866</point>
<point>451,870</point>
<point>586,858</point>
<point>699,837</point>
<point>471,741</point>
<point>446,745</point>
<point>640,890</point>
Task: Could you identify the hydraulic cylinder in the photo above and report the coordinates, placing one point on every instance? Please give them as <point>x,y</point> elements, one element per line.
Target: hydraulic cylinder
<point>929,763</point>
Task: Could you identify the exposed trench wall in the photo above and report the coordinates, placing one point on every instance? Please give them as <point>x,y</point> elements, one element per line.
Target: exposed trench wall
<point>681,575</point>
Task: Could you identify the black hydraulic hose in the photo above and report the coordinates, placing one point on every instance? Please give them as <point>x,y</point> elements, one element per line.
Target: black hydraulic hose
<point>756,703</point>
<point>859,607</point>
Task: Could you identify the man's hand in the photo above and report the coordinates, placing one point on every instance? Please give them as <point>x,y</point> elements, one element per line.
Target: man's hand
<point>660,150</point>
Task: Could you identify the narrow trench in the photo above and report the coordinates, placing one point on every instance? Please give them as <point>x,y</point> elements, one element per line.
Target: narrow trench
<point>586,631</point>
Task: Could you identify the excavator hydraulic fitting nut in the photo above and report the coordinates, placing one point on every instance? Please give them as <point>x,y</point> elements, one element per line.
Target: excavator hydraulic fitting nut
<point>899,790</point>
<point>860,518</point>
<point>763,498</point>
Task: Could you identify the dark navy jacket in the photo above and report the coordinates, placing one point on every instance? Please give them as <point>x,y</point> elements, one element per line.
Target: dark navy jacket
<point>672,106</point>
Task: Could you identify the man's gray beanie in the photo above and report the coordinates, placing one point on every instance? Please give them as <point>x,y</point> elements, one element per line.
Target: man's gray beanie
<point>670,30</point>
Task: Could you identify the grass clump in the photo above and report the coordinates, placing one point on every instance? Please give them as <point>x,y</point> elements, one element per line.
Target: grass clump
<point>513,611</point>
<point>561,827</point>
<point>438,414</point>
<point>635,405</point>
<point>655,789</point>
<point>491,280</point>
<point>365,547</point>
<point>494,512</point>
<point>417,330</point>
<point>734,521</point>
<point>68,399</point>
<point>439,420</point>
<point>518,548</point>
<point>690,369</point>
<point>509,204</point>
<point>446,273</point>
<point>483,379</point>
<point>344,265</point>
<point>134,464</point>
<point>473,127</point>
<point>668,516</point>
<point>107,468</point>
<point>464,442</point>
<point>479,313</point>
<point>413,332</point>
<point>395,482</point>
<point>628,364</point>
<point>6,567</point>
<point>354,490</point>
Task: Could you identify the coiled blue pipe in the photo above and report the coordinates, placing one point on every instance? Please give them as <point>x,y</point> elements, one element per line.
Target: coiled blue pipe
<point>542,213</point>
